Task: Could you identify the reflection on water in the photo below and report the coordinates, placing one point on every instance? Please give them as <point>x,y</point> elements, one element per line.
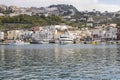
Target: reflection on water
<point>60,62</point>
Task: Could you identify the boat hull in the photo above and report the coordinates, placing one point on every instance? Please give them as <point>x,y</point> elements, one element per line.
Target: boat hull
<point>66,42</point>
<point>19,43</point>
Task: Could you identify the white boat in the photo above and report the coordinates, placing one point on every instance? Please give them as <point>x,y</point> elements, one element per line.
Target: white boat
<point>1,43</point>
<point>40,41</point>
<point>19,42</point>
<point>66,39</point>
<point>43,42</point>
<point>103,43</point>
<point>111,42</point>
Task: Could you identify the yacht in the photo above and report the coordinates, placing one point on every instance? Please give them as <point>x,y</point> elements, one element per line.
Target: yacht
<point>66,39</point>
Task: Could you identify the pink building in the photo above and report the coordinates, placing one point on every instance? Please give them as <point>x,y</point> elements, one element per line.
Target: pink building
<point>37,28</point>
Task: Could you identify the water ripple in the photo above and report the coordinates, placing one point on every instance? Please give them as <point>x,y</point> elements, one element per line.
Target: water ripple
<point>60,62</point>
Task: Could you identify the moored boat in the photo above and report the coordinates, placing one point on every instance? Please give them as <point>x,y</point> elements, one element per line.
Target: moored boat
<point>19,42</point>
<point>43,42</point>
<point>66,39</point>
<point>1,43</point>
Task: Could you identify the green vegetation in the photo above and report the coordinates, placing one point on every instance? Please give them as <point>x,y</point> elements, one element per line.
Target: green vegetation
<point>75,24</point>
<point>26,21</point>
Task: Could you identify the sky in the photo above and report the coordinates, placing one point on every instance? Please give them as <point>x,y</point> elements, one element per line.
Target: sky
<point>81,5</point>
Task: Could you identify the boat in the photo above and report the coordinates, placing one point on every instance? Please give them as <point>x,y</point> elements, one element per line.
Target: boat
<point>118,42</point>
<point>34,42</point>
<point>95,42</point>
<point>66,39</point>
<point>19,42</point>
<point>112,42</point>
<point>103,43</point>
<point>40,42</point>
<point>2,43</point>
<point>43,41</point>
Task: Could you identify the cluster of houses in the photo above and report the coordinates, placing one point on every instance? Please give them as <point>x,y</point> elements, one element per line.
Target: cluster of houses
<point>102,33</point>
<point>35,34</point>
<point>68,13</point>
<point>53,33</point>
<point>15,11</point>
<point>65,11</point>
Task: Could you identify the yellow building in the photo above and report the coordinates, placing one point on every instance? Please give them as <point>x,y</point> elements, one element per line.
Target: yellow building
<point>14,34</point>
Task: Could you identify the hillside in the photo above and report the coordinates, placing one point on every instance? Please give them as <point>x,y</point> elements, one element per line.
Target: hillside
<point>26,21</point>
<point>65,10</point>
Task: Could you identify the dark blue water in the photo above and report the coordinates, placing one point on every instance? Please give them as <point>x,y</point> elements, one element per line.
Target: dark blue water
<point>60,62</point>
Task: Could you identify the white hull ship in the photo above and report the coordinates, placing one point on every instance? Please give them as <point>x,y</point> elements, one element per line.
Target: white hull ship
<point>66,39</point>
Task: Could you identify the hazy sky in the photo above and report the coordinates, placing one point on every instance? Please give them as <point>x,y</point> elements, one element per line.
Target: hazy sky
<point>81,5</point>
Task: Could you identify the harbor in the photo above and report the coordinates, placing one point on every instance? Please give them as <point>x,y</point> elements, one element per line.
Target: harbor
<point>59,40</point>
<point>60,62</point>
<point>63,34</point>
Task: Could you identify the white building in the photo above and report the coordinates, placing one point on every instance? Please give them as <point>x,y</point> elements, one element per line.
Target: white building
<point>111,33</point>
<point>26,35</point>
<point>22,13</point>
<point>85,32</point>
<point>113,25</point>
<point>98,34</point>
<point>1,35</point>
<point>90,19</point>
<point>90,24</point>
<point>44,34</point>
<point>1,14</point>
<point>61,27</point>
<point>107,33</point>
